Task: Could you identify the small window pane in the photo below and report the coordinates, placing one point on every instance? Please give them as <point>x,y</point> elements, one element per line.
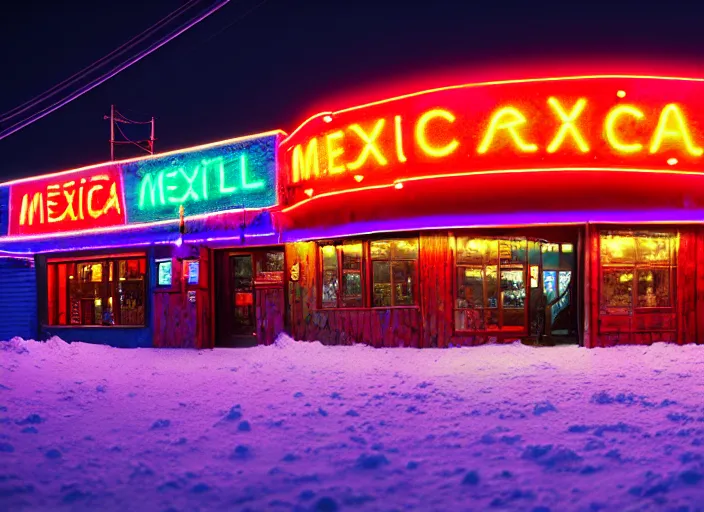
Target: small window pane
<point>476,250</point>
<point>131,294</point>
<point>351,289</point>
<point>617,289</point>
<point>404,277</point>
<point>469,320</point>
<point>329,256</point>
<point>352,256</point>
<point>381,272</point>
<point>550,285</point>
<point>653,249</point>
<point>380,250</point>
<point>654,288</point>
<point>565,278</point>
<point>330,288</point>
<point>470,287</point>
<point>514,289</point>
<point>617,249</point>
<point>492,287</point>
<point>404,249</point>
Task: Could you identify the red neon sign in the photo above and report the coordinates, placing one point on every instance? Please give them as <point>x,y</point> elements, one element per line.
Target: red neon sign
<point>574,122</point>
<point>68,202</point>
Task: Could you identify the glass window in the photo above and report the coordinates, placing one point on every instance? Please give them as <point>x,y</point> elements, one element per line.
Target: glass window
<point>394,268</point>
<point>352,275</point>
<point>491,283</point>
<point>636,271</point>
<point>391,263</point>
<point>164,272</point>
<point>330,282</point>
<point>100,292</point>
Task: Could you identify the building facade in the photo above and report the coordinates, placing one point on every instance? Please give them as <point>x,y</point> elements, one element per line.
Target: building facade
<point>560,210</point>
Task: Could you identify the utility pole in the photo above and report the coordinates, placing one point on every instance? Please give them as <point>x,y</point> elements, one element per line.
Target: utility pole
<point>116,117</point>
<point>112,132</point>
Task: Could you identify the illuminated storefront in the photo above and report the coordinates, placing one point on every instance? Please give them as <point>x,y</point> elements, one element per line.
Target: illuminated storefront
<point>561,210</point>
<point>129,252</point>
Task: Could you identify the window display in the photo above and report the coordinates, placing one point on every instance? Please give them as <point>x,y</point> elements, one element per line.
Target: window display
<point>392,265</point>
<point>100,292</point>
<point>636,271</point>
<point>491,284</point>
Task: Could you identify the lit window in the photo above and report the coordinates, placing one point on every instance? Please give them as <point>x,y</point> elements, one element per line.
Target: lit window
<point>110,291</point>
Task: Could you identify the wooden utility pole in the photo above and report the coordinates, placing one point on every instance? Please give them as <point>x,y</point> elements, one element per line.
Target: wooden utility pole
<point>112,132</point>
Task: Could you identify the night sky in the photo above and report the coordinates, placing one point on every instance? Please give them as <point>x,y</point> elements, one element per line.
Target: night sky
<point>238,73</point>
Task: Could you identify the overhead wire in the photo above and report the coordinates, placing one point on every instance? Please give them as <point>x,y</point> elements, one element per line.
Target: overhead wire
<point>27,105</point>
<point>106,76</point>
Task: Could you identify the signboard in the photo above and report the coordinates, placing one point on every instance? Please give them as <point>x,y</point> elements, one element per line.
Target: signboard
<point>587,123</point>
<point>234,175</point>
<point>81,200</point>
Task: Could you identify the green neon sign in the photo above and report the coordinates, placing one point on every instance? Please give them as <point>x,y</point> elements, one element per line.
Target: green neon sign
<point>231,176</point>
<point>205,180</point>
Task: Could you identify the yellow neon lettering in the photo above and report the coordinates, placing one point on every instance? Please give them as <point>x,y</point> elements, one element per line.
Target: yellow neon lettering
<point>334,151</point>
<point>422,141</point>
<point>664,130</point>
<point>112,201</point>
<point>568,125</point>
<point>370,147</point>
<point>507,118</point>
<point>305,165</point>
<point>31,208</point>
<point>51,192</point>
<point>610,122</point>
<point>399,139</point>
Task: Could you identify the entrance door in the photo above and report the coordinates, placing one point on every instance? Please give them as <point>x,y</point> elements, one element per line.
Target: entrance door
<point>558,274</point>
<point>242,286</point>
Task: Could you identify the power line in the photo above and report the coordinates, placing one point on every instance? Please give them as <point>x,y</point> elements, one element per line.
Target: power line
<point>105,77</point>
<point>85,71</point>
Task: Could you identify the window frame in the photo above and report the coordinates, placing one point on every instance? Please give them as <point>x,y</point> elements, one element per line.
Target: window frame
<point>636,267</point>
<point>366,274</point>
<point>94,258</point>
<point>502,330</point>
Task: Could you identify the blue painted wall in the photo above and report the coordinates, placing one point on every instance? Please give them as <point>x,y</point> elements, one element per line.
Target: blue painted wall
<point>18,299</point>
<point>4,209</point>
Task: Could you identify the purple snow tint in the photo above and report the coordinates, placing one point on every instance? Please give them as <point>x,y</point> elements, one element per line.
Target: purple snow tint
<point>300,426</point>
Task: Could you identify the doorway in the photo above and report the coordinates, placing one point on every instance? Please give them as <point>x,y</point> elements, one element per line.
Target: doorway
<point>249,297</point>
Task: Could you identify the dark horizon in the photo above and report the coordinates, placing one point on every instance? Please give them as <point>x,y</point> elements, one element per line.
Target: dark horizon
<point>212,84</point>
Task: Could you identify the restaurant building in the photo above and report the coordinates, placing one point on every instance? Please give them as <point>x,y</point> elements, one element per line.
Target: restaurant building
<point>170,250</point>
<point>561,210</point>
<point>558,210</point>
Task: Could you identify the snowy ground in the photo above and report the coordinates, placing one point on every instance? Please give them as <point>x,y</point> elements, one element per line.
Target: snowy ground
<point>299,426</point>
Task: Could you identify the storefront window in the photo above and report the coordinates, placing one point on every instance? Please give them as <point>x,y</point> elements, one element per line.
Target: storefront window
<point>636,271</point>
<point>394,265</point>
<point>491,284</point>
<point>100,292</point>
<point>391,263</point>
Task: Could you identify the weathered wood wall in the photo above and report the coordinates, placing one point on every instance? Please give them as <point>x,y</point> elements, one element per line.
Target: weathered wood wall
<point>179,323</point>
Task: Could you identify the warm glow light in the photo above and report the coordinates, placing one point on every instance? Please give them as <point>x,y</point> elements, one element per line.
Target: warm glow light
<point>370,145</point>
<point>398,186</point>
<point>334,152</point>
<point>421,136</point>
<point>305,164</point>
<point>621,94</point>
<point>358,178</point>
<point>672,161</point>
<point>399,139</point>
<point>612,118</point>
<point>308,192</point>
<point>670,115</point>
<point>327,118</point>
<point>568,126</point>
<point>508,119</point>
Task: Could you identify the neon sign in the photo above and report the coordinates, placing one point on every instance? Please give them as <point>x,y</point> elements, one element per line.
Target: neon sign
<point>234,175</point>
<point>85,200</point>
<point>608,122</point>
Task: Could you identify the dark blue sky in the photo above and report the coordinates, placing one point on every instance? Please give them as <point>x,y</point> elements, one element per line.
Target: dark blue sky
<point>277,65</point>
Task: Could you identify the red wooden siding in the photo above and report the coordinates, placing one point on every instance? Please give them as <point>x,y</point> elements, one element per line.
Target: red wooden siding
<point>436,289</point>
<point>175,319</point>
<point>269,310</point>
